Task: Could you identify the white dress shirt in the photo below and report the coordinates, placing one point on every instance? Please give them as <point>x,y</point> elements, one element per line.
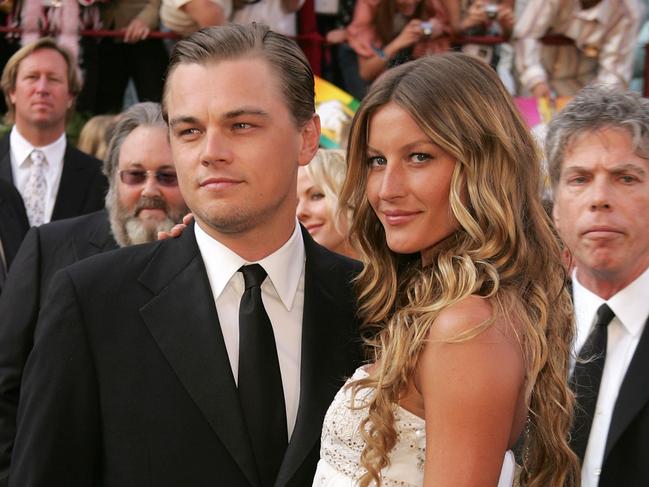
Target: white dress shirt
<point>283,297</point>
<point>53,167</point>
<point>631,308</point>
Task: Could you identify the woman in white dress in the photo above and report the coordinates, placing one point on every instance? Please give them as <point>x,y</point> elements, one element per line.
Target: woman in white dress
<point>462,298</point>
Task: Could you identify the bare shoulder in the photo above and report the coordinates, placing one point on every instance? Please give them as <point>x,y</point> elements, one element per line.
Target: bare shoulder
<point>459,344</point>
<point>468,315</point>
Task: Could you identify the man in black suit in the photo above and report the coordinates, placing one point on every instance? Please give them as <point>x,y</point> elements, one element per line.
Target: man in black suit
<point>13,226</point>
<point>40,83</point>
<point>146,364</point>
<point>598,151</point>
<point>143,199</point>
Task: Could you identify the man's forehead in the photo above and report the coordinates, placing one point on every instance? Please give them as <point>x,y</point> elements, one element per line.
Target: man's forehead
<point>34,60</point>
<point>248,81</point>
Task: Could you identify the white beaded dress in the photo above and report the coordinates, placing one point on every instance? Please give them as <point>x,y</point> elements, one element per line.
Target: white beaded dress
<point>342,444</point>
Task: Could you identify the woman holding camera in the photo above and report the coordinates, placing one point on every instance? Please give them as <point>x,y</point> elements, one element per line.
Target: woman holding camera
<point>385,33</point>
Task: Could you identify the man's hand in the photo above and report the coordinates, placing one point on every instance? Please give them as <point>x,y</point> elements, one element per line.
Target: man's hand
<point>177,229</point>
<point>136,31</point>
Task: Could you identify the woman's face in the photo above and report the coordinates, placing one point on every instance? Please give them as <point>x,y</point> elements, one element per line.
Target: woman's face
<point>408,183</point>
<point>407,7</point>
<point>315,214</point>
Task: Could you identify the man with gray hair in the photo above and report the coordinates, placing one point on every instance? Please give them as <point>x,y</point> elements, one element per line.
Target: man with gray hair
<point>143,199</point>
<point>212,358</point>
<point>598,152</point>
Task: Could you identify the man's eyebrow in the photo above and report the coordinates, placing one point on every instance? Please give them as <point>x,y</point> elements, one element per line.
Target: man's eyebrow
<point>629,167</point>
<point>182,119</point>
<point>245,111</point>
<point>258,112</point>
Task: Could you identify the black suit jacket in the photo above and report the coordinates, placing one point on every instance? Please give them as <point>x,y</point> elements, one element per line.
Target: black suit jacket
<point>13,221</point>
<point>45,250</point>
<point>82,188</point>
<point>129,382</point>
<point>626,458</point>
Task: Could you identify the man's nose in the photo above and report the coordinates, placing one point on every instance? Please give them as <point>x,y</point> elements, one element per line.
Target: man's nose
<point>42,84</point>
<point>215,148</point>
<point>151,186</point>
<point>600,193</point>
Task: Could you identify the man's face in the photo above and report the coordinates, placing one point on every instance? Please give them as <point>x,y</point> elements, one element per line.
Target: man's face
<point>237,148</point>
<point>147,198</point>
<point>602,208</point>
<point>42,95</point>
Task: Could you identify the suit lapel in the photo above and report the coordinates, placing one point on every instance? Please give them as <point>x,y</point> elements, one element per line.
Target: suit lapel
<point>634,392</point>
<point>98,240</point>
<point>183,321</point>
<point>317,374</point>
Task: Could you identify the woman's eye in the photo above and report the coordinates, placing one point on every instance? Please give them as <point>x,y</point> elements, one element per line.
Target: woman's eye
<point>420,157</point>
<point>376,161</point>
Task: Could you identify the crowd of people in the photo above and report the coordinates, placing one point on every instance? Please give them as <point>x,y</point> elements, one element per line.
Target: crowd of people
<point>408,312</point>
<point>544,48</point>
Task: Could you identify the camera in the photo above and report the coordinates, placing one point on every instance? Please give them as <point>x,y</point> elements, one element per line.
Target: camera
<point>427,28</point>
<point>491,10</point>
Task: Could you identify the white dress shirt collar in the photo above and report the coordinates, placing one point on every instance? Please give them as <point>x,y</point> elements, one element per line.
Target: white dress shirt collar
<point>630,304</point>
<point>22,148</point>
<point>284,266</point>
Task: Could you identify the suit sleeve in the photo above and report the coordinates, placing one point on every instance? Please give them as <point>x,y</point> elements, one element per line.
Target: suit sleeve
<point>19,305</point>
<point>57,441</point>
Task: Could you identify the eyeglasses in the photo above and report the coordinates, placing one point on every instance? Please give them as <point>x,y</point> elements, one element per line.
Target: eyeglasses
<point>136,177</point>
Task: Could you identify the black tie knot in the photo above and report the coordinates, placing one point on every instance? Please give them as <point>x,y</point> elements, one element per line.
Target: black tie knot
<point>604,315</point>
<point>253,275</point>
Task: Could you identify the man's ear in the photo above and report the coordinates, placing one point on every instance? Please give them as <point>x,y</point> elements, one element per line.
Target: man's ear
<point>310,134</point>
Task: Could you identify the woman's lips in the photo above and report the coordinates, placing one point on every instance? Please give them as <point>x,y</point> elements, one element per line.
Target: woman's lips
<point>399,217</point>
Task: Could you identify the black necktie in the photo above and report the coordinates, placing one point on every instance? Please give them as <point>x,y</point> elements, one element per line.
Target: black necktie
<point>586,379</point>
<point>260,382</point>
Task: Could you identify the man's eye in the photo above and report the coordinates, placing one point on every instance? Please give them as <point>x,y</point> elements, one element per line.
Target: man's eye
<point>626,179</point>
<point>241,126</point>
<point>577,180</point>
<point>190,131</point>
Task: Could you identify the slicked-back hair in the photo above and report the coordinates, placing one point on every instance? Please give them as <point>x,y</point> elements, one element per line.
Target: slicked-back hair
<point>10,71</point>
<point>234,41</point>
<point>145,114</point>
<point>593,108</point>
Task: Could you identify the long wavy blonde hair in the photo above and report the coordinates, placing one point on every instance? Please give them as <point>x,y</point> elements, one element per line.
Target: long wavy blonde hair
<point>504,250</point>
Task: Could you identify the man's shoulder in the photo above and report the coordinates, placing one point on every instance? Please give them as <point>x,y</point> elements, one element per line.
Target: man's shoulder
<point>72,154</point>
<point>156,261</point>
<point>321,259</point>
<point>72,226</point>
<point>119,263</point>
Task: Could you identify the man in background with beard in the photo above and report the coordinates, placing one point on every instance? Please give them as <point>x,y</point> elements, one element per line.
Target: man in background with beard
<point>143,198</point>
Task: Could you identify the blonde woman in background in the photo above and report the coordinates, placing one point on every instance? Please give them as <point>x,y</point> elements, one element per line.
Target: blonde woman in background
<point>94,136</point>
<point>318,188</point>
<point>462,297</point>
